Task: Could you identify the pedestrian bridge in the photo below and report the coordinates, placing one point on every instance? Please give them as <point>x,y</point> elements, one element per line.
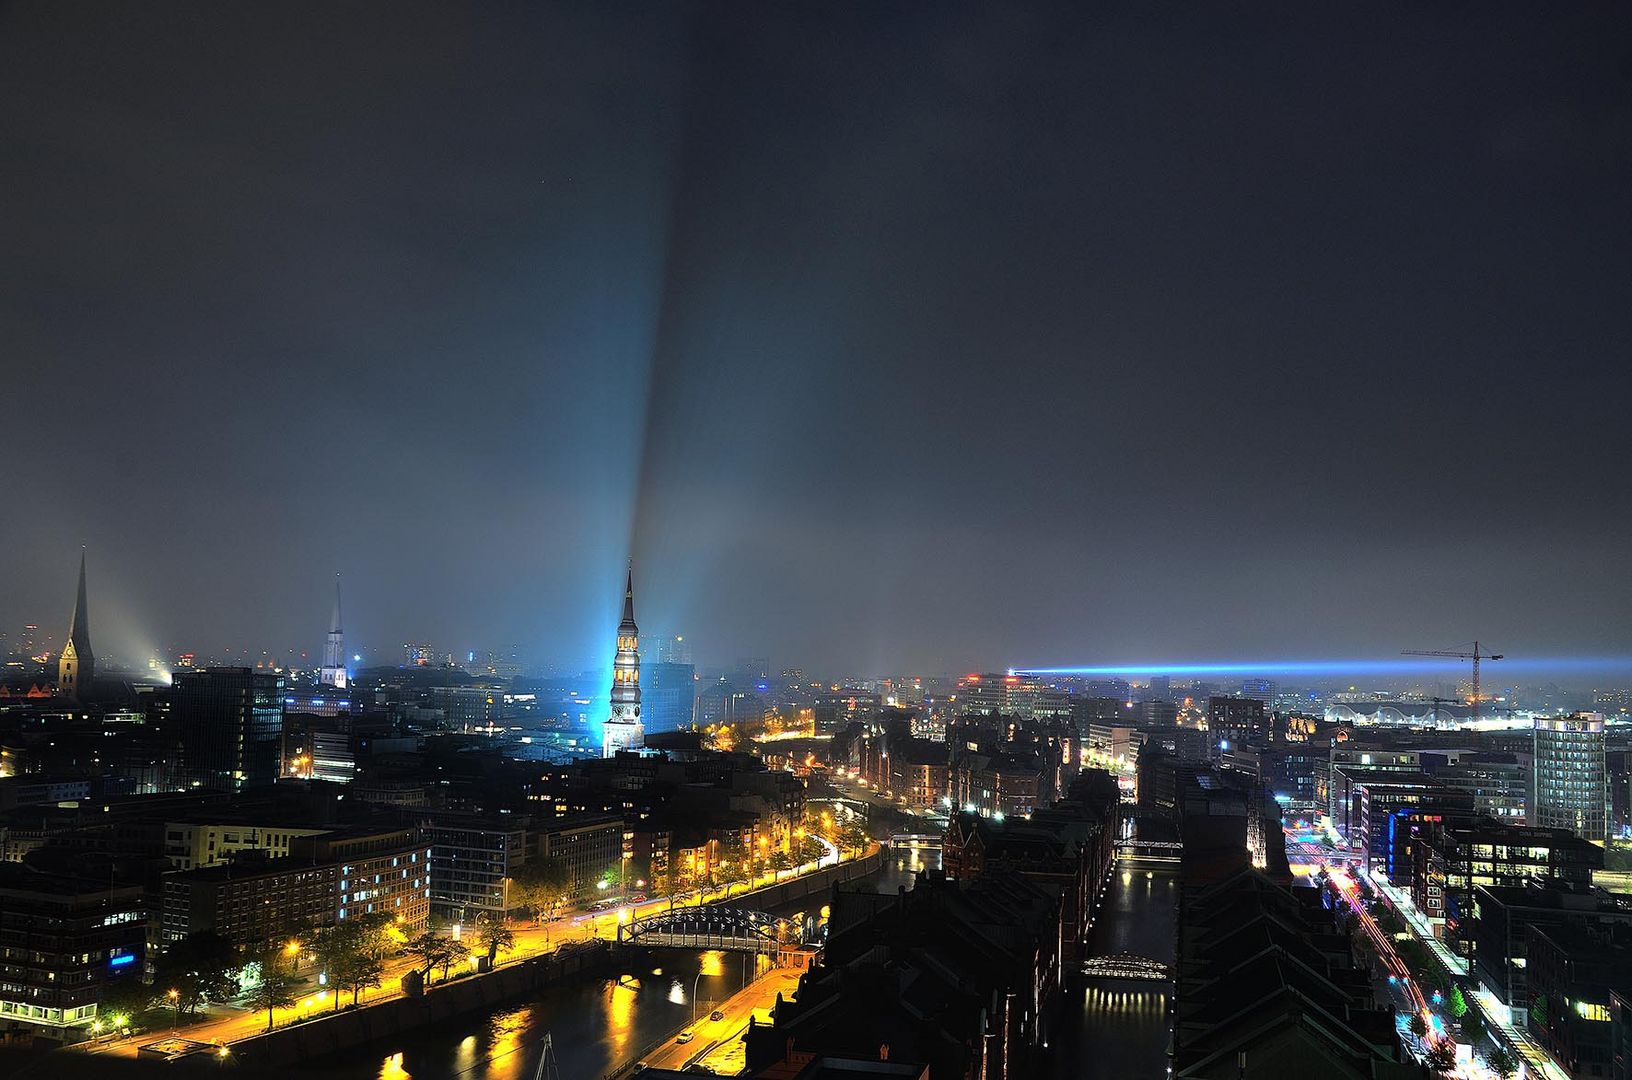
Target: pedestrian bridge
<point>713,927</point>
<point>1149,851</point>
<point>1125,966</point>
<point>1160,847</point>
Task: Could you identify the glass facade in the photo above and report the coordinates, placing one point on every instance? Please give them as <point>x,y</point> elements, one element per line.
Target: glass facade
<point>1570,780</point>
<point>229,722</point>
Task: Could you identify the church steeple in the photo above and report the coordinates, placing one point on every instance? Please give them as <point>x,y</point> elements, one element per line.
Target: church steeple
<point>77,665</point>
<point>334,650</point>
<point>623,729</point>
<point>628,622</point>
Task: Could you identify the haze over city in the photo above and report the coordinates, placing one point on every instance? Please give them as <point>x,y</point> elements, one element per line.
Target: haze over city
<point>815,541</point>
<point>1087,337</point>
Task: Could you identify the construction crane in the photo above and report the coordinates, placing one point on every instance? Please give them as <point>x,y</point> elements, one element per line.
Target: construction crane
<point>1458,654</point>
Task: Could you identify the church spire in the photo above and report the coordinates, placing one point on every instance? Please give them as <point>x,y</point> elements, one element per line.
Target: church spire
<point>629,602</point>
<point>334,624</point>
<point>334,649</point>
<point>77,665</point>
<point>623,729</point>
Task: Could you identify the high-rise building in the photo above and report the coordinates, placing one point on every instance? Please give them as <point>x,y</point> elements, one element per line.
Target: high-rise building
<point>838,709</point>
<point>334,649</point>
<point>1570,782</point>
<point>668,696</point>
<point>998,695</point>
<point>1262,689</point>
<point>623,726</point>
<point>229,722</point>
<point>674,650</point>
<point>1237,717</point>
<point>752,673</point>
<point>77,667</point>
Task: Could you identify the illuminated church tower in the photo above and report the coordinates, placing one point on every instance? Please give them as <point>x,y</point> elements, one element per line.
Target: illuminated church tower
<point>623,730</point>
<point>77,666</point>
<point>334,650</point>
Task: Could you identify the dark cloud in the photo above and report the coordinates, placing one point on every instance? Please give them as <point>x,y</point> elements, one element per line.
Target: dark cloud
<point>895,335</point>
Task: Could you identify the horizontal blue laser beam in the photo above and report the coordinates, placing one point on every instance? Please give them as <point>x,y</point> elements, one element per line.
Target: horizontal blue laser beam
<point>1402,666</point>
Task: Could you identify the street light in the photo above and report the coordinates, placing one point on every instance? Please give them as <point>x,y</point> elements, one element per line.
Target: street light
<point>175,999</point>
<point>694,984</point>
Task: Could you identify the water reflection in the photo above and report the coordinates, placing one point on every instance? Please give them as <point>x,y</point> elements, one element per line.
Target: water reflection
<point>1115,1030</point>
<point>620,1014</point>
<point>596,1025</point>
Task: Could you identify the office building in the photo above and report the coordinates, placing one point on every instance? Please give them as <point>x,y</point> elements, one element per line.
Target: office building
<point>325,880</point>
<point>1507,915</point>
<point>587,846</point>
<point>473,859</point>
<point>1570,786</point>
<point>189,845</point>
<point>229,723</point>
<point>668,696</point>
<point>1237,718</point>
<point>63,941</point>
<point>1572,971</point>
<point>468,708</point>
<point>1452,862</point>
<point>674,650</point>
<point>1498,782</point>
<point>1379,799</point>
<point>838,709</point>
<point>998,695</point>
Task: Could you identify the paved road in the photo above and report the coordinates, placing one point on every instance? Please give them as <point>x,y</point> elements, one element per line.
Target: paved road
<point>1407,996</point>
<point>532,940</point>
<point>718,1043</point>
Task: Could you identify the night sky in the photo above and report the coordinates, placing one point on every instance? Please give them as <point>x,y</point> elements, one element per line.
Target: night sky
<point>885,336</point>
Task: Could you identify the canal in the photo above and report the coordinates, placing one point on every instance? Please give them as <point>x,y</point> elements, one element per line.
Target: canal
<point>1118,1030</point>
<point>1105,1030</point>
<point>595,1026</point>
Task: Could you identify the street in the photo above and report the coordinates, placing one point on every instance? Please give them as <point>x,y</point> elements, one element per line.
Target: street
<point>228,1024</point>
<point>1347,878</point>
<point>717,1044</point>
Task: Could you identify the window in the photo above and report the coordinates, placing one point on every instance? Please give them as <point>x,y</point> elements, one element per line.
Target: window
<point>1588,1010</point>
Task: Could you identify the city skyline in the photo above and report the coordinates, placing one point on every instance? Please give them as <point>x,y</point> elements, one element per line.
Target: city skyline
<point>1037,541</point>
<point>1578,672</point>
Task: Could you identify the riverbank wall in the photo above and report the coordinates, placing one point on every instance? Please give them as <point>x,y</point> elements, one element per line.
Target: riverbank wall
<point>479,993</point>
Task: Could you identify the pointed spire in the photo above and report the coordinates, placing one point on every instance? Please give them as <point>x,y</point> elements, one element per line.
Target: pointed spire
<point>80,632</point>
<point>334,625</point>
<point>629,598</point>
